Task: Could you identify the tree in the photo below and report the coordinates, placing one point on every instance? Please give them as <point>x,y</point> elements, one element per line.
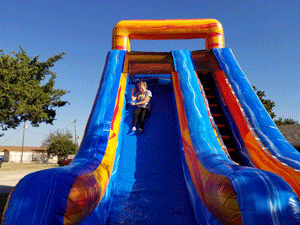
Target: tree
<point>56,135</point>
<point>269,105</point>
<point>286,121</point>
<point>27,90</point>
<point>61,147</point>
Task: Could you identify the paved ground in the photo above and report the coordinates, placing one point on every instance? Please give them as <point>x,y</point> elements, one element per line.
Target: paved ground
<point>11,173</point>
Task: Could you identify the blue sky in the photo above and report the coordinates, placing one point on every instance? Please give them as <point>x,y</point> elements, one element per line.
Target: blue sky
<point>263,35</point>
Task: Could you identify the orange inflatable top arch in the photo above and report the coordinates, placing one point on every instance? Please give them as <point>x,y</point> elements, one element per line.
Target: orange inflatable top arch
<point>209,29</point>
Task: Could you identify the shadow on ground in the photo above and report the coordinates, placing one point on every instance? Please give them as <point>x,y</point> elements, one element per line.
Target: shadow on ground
<point>4,192</point>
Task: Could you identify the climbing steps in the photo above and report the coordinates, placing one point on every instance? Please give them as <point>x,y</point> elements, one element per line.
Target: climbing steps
<point>217,113</point>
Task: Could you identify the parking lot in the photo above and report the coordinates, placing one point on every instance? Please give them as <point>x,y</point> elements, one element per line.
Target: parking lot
<point>11,173</point>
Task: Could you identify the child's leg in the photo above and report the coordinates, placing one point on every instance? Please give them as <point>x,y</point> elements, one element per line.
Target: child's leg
<point>136,113</point>
<point>144,114</point>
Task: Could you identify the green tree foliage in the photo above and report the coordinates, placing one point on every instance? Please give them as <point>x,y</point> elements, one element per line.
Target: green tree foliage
<point>27,90</point>
<point>269,105</point>
<point>286,121</point>
<point>56,135</point>
<point>61,147</point>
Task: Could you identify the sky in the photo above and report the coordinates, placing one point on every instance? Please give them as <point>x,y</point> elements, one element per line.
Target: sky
<point>262,34</point>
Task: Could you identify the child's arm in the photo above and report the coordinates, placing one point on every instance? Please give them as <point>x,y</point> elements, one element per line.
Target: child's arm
<point>133,97</point>
<point>147,99</point>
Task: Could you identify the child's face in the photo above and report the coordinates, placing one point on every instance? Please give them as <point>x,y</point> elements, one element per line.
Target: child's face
<point>142,88</point>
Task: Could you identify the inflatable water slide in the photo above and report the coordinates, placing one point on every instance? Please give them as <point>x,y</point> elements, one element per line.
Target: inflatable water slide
<point>209,154</point>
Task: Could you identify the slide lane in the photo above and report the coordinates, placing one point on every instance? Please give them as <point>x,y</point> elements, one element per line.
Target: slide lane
<point>150,186</point>
<point>266,146</point>
<point>225,189</point>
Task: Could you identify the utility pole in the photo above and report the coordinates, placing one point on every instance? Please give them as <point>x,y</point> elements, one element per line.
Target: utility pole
<point>75,136</point>
<point>23,142</point>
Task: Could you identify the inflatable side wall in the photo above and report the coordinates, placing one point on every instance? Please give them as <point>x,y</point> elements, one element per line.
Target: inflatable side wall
<point>67,195</point>
<point>225,189</point>
<point>266,146</point>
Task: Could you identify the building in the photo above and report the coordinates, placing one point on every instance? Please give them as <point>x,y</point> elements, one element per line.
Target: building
<point>292,134</point>
<point>13,154</point>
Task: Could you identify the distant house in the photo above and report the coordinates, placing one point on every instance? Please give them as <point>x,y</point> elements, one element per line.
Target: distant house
<point>292,134</point>
<point>13,154</point>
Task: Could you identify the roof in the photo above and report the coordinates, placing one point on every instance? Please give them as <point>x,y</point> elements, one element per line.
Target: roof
<point>19,148</point>
<point>291,133</point>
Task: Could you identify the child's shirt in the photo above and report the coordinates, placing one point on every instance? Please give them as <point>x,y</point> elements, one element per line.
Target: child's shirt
<point>142,97</point>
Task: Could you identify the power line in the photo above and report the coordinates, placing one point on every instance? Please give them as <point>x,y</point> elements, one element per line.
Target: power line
<point>40,133</point>
<point>12,136</point>
<point>68,125</point>
<point>57,129</point>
